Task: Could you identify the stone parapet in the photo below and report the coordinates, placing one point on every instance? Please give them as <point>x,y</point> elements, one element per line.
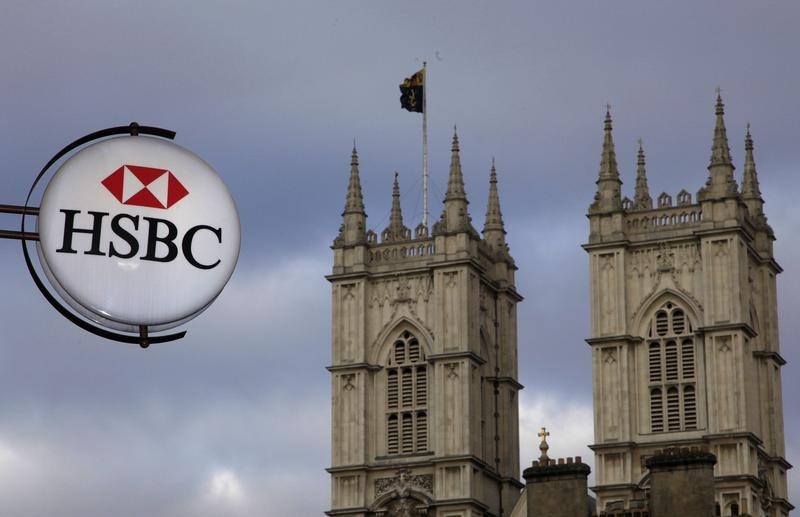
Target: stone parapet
<point>680,457</point>
<point>557,488</point>
<point>681,482</point>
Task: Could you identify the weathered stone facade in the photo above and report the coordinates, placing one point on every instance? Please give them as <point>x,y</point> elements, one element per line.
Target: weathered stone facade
<point>424,372</point>
<point>684,334</point>
<point>556,488</point>
<point>681,482</point>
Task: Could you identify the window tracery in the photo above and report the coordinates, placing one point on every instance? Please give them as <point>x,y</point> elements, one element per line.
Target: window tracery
<point>406,397</point>
<point>672,376</point>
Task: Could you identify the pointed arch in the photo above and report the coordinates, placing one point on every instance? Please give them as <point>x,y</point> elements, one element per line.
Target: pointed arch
<point>650,304</point>
<point>670,357</point>
<point>402,388</point>
<point>383,343</point>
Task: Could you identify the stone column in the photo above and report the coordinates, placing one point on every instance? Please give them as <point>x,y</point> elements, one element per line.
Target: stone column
<point>557,488</point>
<point>681,482</point>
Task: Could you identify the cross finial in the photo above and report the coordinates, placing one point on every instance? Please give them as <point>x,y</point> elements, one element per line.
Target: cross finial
<point>640,142</point>
<point>718,90</point>
<point>543,434</point>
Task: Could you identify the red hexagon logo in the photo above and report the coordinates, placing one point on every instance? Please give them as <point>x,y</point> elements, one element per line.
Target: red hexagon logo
<point>145,186</point>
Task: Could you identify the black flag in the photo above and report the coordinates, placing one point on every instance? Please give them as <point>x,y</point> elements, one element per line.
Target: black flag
<point>413,89</point>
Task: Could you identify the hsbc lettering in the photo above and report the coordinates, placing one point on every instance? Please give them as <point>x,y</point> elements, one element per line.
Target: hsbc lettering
<point>160,236</point>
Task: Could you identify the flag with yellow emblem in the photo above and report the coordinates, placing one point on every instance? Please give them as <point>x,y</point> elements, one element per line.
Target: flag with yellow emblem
<point>413,90</point>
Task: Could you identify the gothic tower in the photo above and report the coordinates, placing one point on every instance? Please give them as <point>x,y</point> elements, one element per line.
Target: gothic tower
<point>684,334</point>
<point>424,372</point>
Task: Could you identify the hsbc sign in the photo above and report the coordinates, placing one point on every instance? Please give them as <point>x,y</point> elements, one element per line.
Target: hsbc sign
<point>137,231</point>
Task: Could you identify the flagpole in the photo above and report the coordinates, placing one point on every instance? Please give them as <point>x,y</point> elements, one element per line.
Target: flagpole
<point>425,144</point>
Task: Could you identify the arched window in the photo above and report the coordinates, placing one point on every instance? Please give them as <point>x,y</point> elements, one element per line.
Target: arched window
<point>406,397</point>
<point>672,376</point>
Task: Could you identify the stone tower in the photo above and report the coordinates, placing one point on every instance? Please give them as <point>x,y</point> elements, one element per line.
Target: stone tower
<point>684,334</point>
<point>424,372</point>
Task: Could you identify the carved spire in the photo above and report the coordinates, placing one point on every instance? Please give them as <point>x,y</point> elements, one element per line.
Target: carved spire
<point>455,217</point>
<point>751,193</point>
<point>396,231</point>
<point>641,198</point>
<point>720,181</point>
<point>608,161</point>
<point>493,229</point>
<point>355,201</point>
<point>607,198</point>
<point>354,219</point>
<point>720,152</point>
<point>455,181</point>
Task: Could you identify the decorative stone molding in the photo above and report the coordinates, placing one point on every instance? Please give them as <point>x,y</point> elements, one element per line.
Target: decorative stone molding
<point>348,381</point>
<point>402,482</point>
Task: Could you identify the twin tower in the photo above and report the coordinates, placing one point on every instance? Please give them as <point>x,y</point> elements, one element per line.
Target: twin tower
<point>684,346</point>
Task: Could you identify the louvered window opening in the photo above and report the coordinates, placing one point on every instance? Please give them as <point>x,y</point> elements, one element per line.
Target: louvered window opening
<point>655,362</point>
<point>689,407</point>
<point>671,371</point>
<point>656,410</point>
<point>406,397</point>
<point>673,410</point>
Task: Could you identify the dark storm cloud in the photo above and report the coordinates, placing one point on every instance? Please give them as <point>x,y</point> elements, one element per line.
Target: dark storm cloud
<point>235,417</point>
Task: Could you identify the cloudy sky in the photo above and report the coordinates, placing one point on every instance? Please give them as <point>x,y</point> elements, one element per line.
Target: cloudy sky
<point>234,419</point>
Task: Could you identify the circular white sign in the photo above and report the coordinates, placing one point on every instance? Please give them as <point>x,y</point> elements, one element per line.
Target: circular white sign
<point>137,231</point>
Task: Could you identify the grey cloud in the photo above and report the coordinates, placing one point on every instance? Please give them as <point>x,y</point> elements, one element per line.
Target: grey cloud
<point>272,94</point>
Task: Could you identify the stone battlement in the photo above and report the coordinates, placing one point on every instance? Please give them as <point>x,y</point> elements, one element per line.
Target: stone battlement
<point>560,461</point>
<point>662,218</point>
<point>675,456</point>
<point>393,252</point>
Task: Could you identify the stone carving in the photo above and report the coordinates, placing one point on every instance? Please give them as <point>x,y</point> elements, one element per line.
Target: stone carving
<point>348,381</point>
<point>655,269</point>
<point>452,373</point>
<point>402,482</point>
<point>401,297</point>
<point>401,289</point>
<point>380,294</point>
<point>666,258</point>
